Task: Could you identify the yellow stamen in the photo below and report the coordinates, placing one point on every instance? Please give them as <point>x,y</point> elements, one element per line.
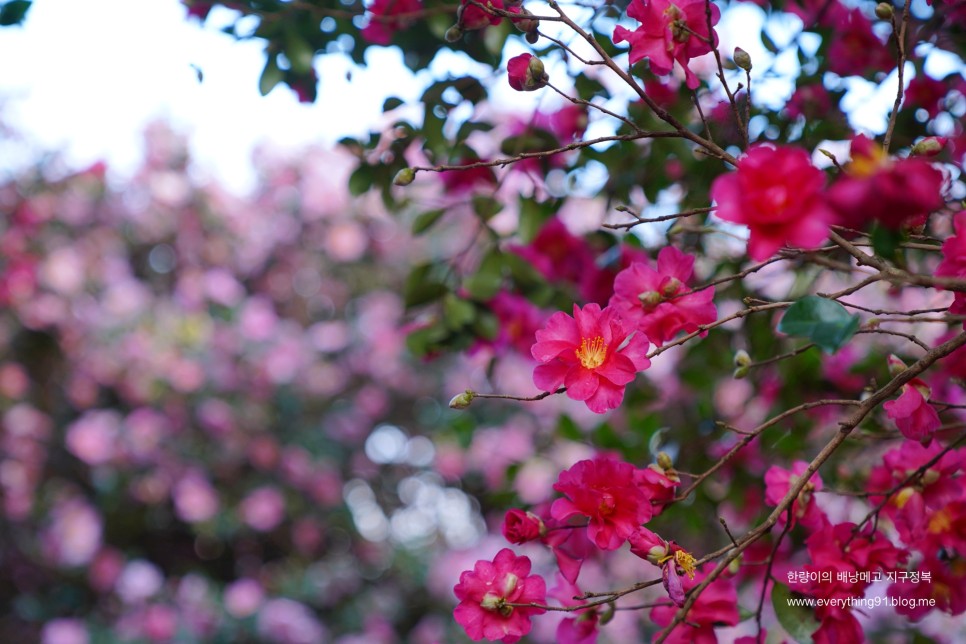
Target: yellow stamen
<point>686,561</point>
<point>592,354</point>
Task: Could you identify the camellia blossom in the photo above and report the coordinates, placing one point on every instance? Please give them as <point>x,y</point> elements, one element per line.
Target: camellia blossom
<point>954,261</point>
<point>658,302</point>
<point>877,187</point>
<point>592,354</point>
<point>779,481</point>
<point>716,606</point>
<point>382,23</point>
<point>776,192</point>
<point>486,592</point>
<point>606,492</point>
<point>526,73</point>
<point>912,413</point>
<point>669,32</point>
<point>520,526</point>
<point>471,17</point>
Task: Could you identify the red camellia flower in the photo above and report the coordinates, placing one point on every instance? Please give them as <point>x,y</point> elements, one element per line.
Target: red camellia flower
<point>557,253</point>
<point>716,606</point>
<point>591,354</point>
<point>472,17</point>
<point>912,413</point>
<point>876,187</point>
<point>658,302</point>
<point>776,192</point>
<point>486,592</point>
<point>779,481</point>
<point>521,527</point>
<point>605,491</point>
<point>525,73</point>
<point>382,23</point>
<point>855,48</point>
<point>954,261</point>
<point>458,182</point>
<point>669,31</point>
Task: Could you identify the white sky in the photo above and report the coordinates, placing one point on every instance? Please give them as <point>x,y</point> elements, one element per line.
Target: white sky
<point>86,76</point>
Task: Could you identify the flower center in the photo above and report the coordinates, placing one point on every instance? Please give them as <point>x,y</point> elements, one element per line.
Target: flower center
<point>592,354</point>
<point>686,561</point>
<point>607,504</point>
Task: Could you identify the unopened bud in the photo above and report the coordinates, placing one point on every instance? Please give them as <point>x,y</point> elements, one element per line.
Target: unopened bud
<point>532,37</point>
<point>742,59</point>
<point>664,461</point>
<point>883,11</point>
<point>650,299</point>
<point>524,23</point>
<point>896,366</point>
<point>929,477</point>
<point>607,615</point>
<point>463,400</point>
<point>929,147</point>
<point>742,359</point>
<point>404,177</point>
<point>740,373</point>
<point>536,74</point>
<point>453,34</point>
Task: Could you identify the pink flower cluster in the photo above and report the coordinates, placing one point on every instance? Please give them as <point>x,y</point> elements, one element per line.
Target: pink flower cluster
<point>954,262</point>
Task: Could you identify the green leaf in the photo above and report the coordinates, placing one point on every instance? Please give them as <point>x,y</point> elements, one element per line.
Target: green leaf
<point>271,76</point>
<point>14,12</point>
<point>825,322</point>
<point>486,207</point>
<point>425,220</point>
<point>361,180</point>
<point>488,279</point>
<point>423,286</point>
<point>799,621</point>
<point>768,42</point>
<point>391,103</point>
<point>886,242</point>
<point>457,312</point>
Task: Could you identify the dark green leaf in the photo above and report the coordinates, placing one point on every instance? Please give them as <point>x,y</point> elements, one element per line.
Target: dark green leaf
<point>488,279</point>
<point>799,621</point>
<point>457,312</point>
<point>768,42</point>
<point>391,103</point>
<point>425,220</point>
<point>886,242</point>
<point>14,12</point>
<point>271,76</point>
<point>486,207</point>
<point>423,286</point>
<point>361,180</point>
<point>825,322</point>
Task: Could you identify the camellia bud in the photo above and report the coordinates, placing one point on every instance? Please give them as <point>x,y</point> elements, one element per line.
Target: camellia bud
<point>929,147</point>
<point>536,74</point>
<point>524,24</point>
<point>532,37</point>
<point>742,59</point>
<point>664,461</point>
<point>740,373</point>
<point>896,366</point>
<point>463,400</point>
<point>453,34</point>
<point>883,11</point>
<point>742,359</point>
<point>404,177</point>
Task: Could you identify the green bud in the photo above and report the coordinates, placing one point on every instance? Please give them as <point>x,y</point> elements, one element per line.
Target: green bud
<point>928,147</point>
<point>742,359</point>
<point>404,177</point>
<point>664,461</point>
<point>883,11</point>
<point>740,372</point>
<point>453,34</point>
<point>536,75</point>
<point>525,25</point>
<point>463,400</point>
<point>742,59</point>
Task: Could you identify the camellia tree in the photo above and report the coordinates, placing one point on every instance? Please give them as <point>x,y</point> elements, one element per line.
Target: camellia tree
<point>702,337</point>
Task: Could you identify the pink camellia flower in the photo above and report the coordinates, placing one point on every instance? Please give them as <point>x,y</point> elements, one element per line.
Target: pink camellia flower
<point>592,354</point>
<point>856,49</point>
<point>519,322</point>
<point>487,592</point>
<point>558,254</point>
<point>926,93</point>
<point>606,492</point>
<point>954,261</point>
<point>521,527</point>
<point>716,606</point>
<point>382,23</point>
<point>669,31</point>
<point>947,589</point>
<point>658,301</point>
<point>582,628</point>
<point>458,182</point>
<point>525,73</point>
<point>779,481</point>
<point>472,17</point>
<point>669,557</point>
<point>876,187</point>
<point>912,413</point>
<point>776,192</point>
